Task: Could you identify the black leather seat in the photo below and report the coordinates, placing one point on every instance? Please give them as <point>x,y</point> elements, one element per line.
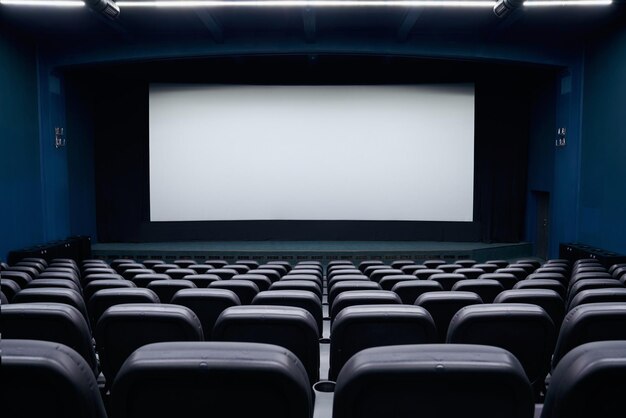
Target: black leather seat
<point>216,263</point>
<point>60,283</point>
<point>100,276</point>
<point>124,328</point>
<point>485,288</point>
<point>33,273</point>
<point>55,322</point>
<point>446,280</point>
<point>284,263</point>
<point>376,273</point>
<point>261,281</point>
<point>54,295</point>
<point>179,273</point>
<point>588,284</point>
<point>103,299</point>
<point>239,268</point>
<point>297,298</point>
<point>486,267</point>
<point>3,299</point>
<point>285,326</point>
<point>598,296</point>
<point>9,288</point>
<point>194,380</point>
<point>128,274</point>
<point>252,264</point>
<point>367,263</point>
<point>434,263</point>
<point>588,323</point>
<point>413,268</point>
<point>96,285</point>
<point>47,379</point>
<point>433,381</point>
<point>143,280</point>
<point>520,273</point>
<point>359,327</point>
<point>281,270</point>
<point>151,263</point>
<point>500,263</point>
<point>244,289</point>
<point>388,282</point>
<point>549,284</point>
<point>201,280</point>
<point>410,290</point>
<point>507,280</point>
<point>363,297</point>
<point>524,330</point>
<point>200,268</point>
<point>442,306</point>
<point>22,279</point>
<point>547,299</point>
<point>470,272</point>
<point>273,275</point>
<point>424,274</point>
<point>343,271</point>
<point>165,289</point>
<point>449,268</point>
<point>207,304</point>
<point>398,264</point>
<point>162,268</point>
<point>467,263</point>
<point>311,271</point>
<point>589,382</point>
<point>344,286</point>
<point>184,263</point>
<point>307,285</point>
<point>345,278</point>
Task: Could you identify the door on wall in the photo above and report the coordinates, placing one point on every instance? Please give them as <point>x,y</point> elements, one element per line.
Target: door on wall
<point>542,226</point>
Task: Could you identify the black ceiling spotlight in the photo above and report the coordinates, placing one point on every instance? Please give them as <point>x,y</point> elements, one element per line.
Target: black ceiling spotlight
<point>106,7</point>
<point>503,8</point>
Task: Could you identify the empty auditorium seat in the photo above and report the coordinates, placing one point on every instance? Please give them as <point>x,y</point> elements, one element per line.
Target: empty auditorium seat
<point>244,289</point>
<point>165,289</point>
<point>598,296</point>
<point>311,271</point>
<point>338,272</point>
<point>31,272</point>
<point>347,277</point>
<point>124,328</point>
<point>286,326</point>
<point>442,306</point>
<point>547,299</point>
<point>359,327</point>
<point>55,295</point>
<point>238,380</point>
<point>485,288</point>
<point>433,264</point>
<point>486,267</point>
<point>589,382</point>
<point>344,286</point>
<point>184,263</point>
<point>201,280</point>
<point>55,322</point>
<point>3,299</point>
<point>588,284</point>
<point>97,285</point>
<point>370,269</point>
<point>252,264</point>
<point>151,263</point>
<point>128,266</point>
<point>207,304</point>
<point>297,298</point>
<point>9,288</point>
<point>98,270</point>
<point>20,278</point>
<point>398,264</point>
<point>365,264</point>
<point>262,282</point>
<point>223,273</point>
<point>60,275</point>
<point>162,268</point>
<point>588,276</point>
<point>507,280</point>
<point>282,270</point>
<point>128,274</point>
<point>449,268</point>
<point>413,268</point>
<point>200,268</point>
<point>470,272</point>
<point>424,274</point>
<point>143,280</point>
<point>542,284</point>
<point>34,264</point>
<point>388,282</point>
<point>47,379</point>
<point>299,277</point>
<point>433,381</point>
<point>500,263</point>
<point>528,268</point>
<point>524,330</point>
<point>306,285</point>
<point>62,283</point>
<point>100,276</point>
<point>103,299</point>
<point>285,264</point>
<point>363,297</point>
<point>517,272</point>
<point>446,280</point>
<point>410,290</point>
<point>179,273</point>
<point>239,268</point>
<point>588,323</point>
<point>39,260</point>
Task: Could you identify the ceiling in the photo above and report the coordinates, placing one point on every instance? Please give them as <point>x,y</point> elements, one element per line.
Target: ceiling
<point>72,28</point>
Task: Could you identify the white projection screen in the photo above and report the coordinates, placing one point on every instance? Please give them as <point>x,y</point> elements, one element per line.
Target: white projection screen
<point>375,152</point>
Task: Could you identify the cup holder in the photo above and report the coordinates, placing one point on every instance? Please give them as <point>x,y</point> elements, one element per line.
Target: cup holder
<point>324,386</point>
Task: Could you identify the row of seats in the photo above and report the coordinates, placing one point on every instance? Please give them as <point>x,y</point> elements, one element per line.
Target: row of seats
<point>198,379</point>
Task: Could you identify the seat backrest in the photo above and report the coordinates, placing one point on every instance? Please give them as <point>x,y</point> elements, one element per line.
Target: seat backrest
<point>589,382</point>
<point>433,380</point>
<point>485,288</point>
<point>308,285</point>
<point>549,300</point>
<point>200,379</point>
<point>598,296</point>
<point>9,288</point>
<point>55,295</point>
<point>61,283</point>
<point>261,281</point>
<point>22,279</point>
<point>55,322</point>
<point>507,280</point>
<point>363,297</point>
<point>124,328</point>
<point>179,273</point>
<point>244,289</point>
<point>298,298</point>
<point>47,379</point>
<point>143,280</point>
<point>446,280</point>
<point>523,329</point>
<point>588,323</point>
<point>442,306</point>
<point>96,285</point>
<point>165,289</point>
<point>343,286</point>
<point>377,275</point>
<point>285,326</point>
<point>100,276</point>
<point>410,290</point>
<point>549,284</point>
<point>588,284</point>
<point>103,299</point>
<point>348,277</point>
<point>207,304</point>
<point>470,272</point>
<point>388,282</point>
<point>359,327</point>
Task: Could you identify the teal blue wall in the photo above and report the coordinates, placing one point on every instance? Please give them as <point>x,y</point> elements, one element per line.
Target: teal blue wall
<point>21,209</point>
<point>602,217</point>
